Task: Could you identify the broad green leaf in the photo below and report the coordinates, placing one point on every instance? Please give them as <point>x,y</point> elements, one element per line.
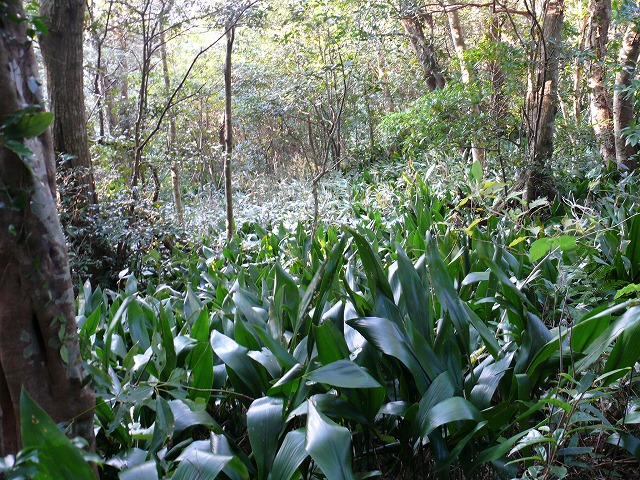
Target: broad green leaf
<point>290,456</point>
<point>144,471</point>
<point>567,243</point>
<point>453,409</point>
<point>252,313</point>
<point>319,286</point>
<point>200,362</point>
<point>236,358</point>
<point>443,387</point>
<point>275,347</point>
<point>330,343</point>
<point>624,440</point>
<point>594,351</point>
<point>29,125</point>
<point>386,336</point>
<point>57,456</point>
<point>18,147</point>
<point>373,268</point>
<point>539,249</point>
<point>415,296</point>
<point>137,322</point>
<point>461,314</point>
<point>167,345</point>
<point>163,426</point>
<point>201,327</point>
<point>626,351</point>
<point>199,465</point>
<point>185,417</point>
<point>329,445</point>
<point>475,173</point>
<point>488,381</point>
<point>343,374</point>
<point>264,424</point>
<point>631,289</point>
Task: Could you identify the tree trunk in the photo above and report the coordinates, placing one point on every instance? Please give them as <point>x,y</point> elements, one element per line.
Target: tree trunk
<point>622,100</point>
<point>414,25</point>
<point>228,133</point>
<point>171,137</point>
<point>600,102</point>
<point>457,37</point>
<point>63,57</point>
<point>542,99</point>
<point>38,337</point>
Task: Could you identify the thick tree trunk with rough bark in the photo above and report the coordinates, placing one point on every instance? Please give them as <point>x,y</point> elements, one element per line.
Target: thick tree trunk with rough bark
<point>63,57</point>
<point>542,100</point>
<point>414,26</point>
<point>622,101</point>
<point>228,132</point>
<point>600,102</point>
<point>38,337</point>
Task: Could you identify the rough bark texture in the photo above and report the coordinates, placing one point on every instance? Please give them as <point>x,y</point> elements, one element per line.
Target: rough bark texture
<point>414,26</point>
<point>622,102</point>
<point>38,338</point>
<point>542,99</point>
<point>600,102</point>
<point>228,133</point>
<point>63,57</point>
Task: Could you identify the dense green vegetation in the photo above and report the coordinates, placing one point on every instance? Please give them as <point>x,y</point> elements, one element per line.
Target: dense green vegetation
<point>425,264</point>
<point>439,335</point>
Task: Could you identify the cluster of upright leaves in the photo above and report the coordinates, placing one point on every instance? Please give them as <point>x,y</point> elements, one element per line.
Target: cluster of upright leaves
<point>286,356</point>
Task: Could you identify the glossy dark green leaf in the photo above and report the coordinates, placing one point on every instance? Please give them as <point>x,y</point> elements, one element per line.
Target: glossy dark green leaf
<point>442,388</point>
<point>163,426</point>
<point>200,362</point>
<point>416,297</point>
<point>199,465</point>
<point>488,381</point>
<point>453,409</point>
<point>57,456</point>
<point>330,343</point>
<point>185,417</point>
<point>138,328</point>
<point>386,336</point>
<point>624,440</point>
<point>626,351</point>
<point>264,424</point>
<point>290,456</point>
<point>371,263</point>
<point>461,314</point>
<point>343,374</point>
<point>329,445</point>
<point>236,358</point>
<point>144,471</point>
<point>595,350</point>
